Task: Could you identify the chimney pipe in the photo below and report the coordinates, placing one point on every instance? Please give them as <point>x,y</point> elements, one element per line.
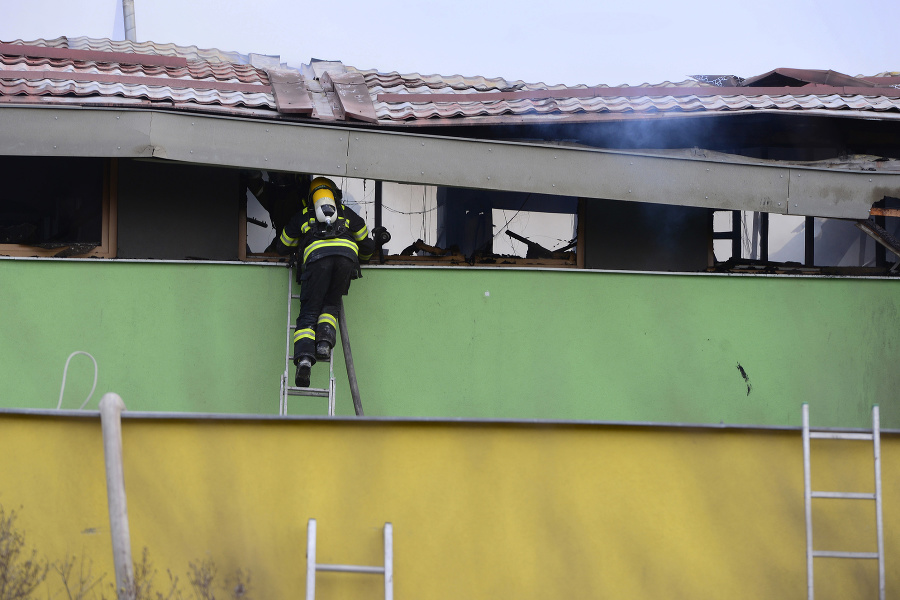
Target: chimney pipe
<point>128,12</point>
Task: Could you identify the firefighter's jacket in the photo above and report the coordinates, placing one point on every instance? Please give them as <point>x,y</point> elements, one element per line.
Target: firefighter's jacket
<point>281,200</point>
<point>312,240</point>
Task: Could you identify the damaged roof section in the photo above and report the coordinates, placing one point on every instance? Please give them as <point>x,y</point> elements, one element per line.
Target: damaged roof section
<point>332,94</point>
<point>814,77</point>
<point>89,71</point>
<point>179,75</point>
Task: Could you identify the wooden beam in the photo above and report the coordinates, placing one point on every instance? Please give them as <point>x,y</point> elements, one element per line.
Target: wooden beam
<point>885,212</point>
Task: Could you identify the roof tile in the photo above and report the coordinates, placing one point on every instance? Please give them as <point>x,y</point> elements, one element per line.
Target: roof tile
<point>215,80</point>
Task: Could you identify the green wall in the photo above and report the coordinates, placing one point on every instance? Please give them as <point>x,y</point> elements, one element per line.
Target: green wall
<point>458,342</point>
<point>167,337</point>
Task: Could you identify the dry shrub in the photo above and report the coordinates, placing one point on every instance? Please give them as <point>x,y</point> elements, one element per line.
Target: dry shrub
<point>20,574</point>
<point>201,576</point>
<point>81,585</point>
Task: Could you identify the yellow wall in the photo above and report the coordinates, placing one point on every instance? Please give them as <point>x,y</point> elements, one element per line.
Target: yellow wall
<point>479,510</point>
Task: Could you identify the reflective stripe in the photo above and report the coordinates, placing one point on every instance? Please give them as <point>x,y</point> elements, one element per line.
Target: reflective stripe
<point>335,243</point>
<point>326,318</point>
<point>361,234</point>
<point>365,257</point>
<point>305,228</point>
<point>304,334</point>
<point>287,240</point>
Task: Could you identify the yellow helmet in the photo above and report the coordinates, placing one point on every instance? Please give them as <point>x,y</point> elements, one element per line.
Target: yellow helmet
<point>319,185</point>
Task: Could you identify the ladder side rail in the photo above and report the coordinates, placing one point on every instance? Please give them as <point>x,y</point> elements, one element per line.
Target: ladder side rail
<point>879,523</point>
<point>807,497</point>
<point>388,561</point>
<point>348,361</point>
<point>311,560</point>
<point>332,389</point>
<point>285,379</point>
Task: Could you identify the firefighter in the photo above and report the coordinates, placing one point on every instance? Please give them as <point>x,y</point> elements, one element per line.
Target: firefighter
<point>282,196</point>
<point>330,240</point>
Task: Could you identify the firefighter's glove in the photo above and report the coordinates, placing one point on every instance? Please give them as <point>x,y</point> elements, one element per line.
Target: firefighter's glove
<point>381,236</point>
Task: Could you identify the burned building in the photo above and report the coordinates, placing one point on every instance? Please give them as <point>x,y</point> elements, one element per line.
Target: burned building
<point>587,267</point>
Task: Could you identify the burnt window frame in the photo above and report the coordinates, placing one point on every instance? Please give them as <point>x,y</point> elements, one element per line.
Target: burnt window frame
<point>108,226</point>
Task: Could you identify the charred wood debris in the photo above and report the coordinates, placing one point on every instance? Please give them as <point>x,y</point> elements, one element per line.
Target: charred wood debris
<point>419,252</point>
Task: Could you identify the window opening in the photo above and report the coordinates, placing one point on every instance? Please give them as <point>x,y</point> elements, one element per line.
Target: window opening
<point>747,240</point>
<point>57,206</point>
<point>431,224</point>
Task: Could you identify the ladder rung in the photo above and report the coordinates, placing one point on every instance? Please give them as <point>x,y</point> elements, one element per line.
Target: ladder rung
<point>314,392</point>
<point>830,554</point>
<point>829,435</point>
<point>845,495</point>
<point>350,569</point>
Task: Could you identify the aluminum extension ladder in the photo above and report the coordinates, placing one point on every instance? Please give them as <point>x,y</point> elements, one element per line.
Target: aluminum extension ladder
<point>312,566</point>
<point>809,494</point>
<point>287,389</point>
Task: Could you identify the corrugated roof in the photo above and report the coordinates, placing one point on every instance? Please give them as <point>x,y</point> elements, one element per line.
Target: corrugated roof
<point>83,70</point>
<point>690,103</point>
<point>106,45</point>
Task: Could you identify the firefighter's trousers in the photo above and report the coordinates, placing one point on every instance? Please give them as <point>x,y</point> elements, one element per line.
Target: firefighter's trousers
<point>322,284</point>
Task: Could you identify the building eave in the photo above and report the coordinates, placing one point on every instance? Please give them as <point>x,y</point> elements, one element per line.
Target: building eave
<point>435,160</point>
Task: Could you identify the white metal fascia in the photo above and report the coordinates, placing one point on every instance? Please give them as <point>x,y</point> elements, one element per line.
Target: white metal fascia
<point>435,160</point>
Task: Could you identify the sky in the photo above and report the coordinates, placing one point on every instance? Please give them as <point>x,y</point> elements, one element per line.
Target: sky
<point>565,42</point>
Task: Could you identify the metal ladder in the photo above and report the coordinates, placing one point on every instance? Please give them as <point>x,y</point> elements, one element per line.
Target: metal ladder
<point>312,566</point>
<point>809,494</point>
<point>287,377</point>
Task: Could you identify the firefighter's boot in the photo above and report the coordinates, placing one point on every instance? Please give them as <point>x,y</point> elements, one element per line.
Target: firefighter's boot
<point>304,367</point>
<point>323,351</point>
